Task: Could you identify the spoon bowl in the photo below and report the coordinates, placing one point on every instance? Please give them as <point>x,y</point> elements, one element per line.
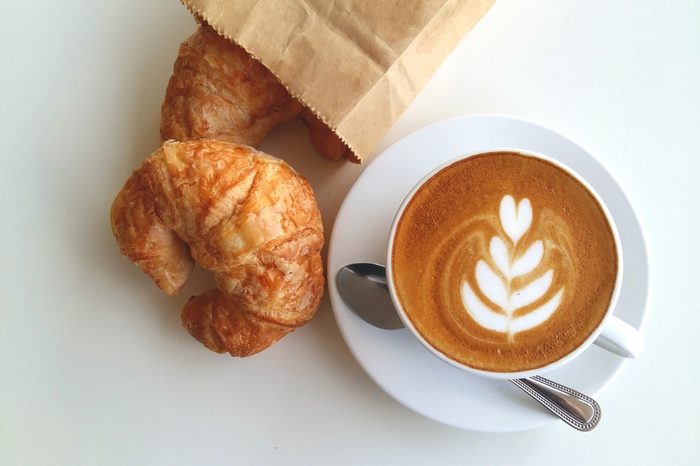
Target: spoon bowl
<point>363,288</point>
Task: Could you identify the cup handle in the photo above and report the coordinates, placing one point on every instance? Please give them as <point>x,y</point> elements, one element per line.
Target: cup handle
<point>621,338</point>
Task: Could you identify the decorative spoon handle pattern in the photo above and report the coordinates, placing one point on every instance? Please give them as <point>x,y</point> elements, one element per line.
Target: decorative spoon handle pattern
<point>576,409</point>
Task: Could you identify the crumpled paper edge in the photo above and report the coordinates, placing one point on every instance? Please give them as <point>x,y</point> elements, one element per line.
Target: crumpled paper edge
<point>199,17</point>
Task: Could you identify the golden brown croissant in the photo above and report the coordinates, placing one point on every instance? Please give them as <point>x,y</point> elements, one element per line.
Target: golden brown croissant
<point>324,139</point>
<point>246,216</point>
<point>219,91</point>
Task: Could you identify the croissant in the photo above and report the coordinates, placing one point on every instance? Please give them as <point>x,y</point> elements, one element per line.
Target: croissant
<point>244,215</point>
<point>325,140</point>
<point>219,91</point>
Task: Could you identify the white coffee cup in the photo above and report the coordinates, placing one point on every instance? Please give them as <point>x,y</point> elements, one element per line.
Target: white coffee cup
<point>612,334</point>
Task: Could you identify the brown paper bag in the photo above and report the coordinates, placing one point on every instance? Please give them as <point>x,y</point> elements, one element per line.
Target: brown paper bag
<point>357,64</point>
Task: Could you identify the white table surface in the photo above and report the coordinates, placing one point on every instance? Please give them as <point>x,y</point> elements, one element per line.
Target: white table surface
<point>94,366</point>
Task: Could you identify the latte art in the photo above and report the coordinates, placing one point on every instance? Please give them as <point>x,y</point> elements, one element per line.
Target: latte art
<point>498,286</point>
<point>503,262</point>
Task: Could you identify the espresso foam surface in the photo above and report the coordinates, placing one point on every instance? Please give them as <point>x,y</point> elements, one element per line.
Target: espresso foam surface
<point>504,262</point>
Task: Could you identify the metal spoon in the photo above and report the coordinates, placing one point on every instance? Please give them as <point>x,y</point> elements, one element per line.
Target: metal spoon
<point>363,288</point>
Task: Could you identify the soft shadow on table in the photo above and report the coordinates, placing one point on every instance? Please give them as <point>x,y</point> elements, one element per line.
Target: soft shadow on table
<point>149,81</point>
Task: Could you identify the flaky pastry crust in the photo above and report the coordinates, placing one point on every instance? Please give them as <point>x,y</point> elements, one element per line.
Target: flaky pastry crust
<point>219,91</point>
<point>244,215</point>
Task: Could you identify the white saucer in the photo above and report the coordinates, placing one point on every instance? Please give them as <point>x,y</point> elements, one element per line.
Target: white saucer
<point>395,359</point>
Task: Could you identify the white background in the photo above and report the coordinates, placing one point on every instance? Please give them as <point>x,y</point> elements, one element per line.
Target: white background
<point>94,367</point>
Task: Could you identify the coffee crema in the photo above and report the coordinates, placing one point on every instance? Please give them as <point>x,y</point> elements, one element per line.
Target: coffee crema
<point>504,262</point>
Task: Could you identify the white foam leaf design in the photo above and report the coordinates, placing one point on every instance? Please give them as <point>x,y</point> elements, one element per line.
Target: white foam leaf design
<point>537,316</point>
<point>481,312</point>
<point>491,284</point>
<point>500,255</point>
<point>528,261</point>
<point>532,292</point>
<point>515,221</point>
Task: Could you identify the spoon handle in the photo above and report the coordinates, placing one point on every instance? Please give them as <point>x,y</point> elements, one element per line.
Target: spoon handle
<point>576,409</point>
